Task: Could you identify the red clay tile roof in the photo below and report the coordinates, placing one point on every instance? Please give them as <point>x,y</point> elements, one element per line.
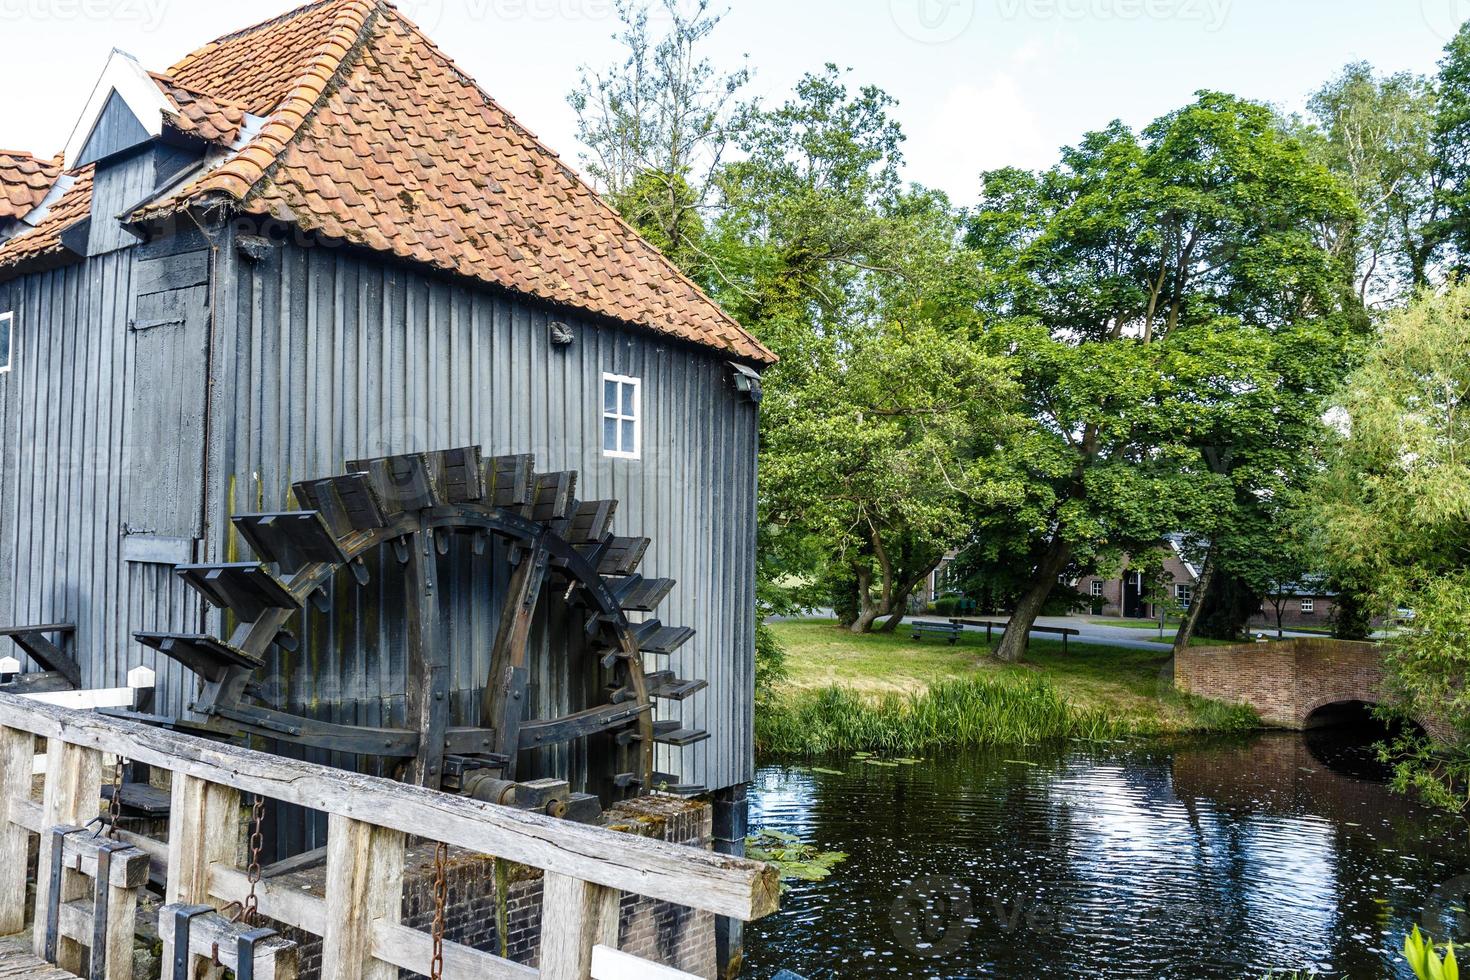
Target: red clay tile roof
<point>375,137</point>
<point>45,239</point>
<point>24,181</point>
<point>212,119</point>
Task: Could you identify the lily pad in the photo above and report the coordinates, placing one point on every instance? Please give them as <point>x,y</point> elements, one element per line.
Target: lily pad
<point>828,772</point>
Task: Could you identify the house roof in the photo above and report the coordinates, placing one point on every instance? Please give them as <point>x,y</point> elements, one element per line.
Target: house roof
<point>214,120</point>
<point>373,136</point>
<point>24,181</point>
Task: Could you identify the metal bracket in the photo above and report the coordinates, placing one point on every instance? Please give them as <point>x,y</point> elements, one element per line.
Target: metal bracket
<point>100,899</point>
<point>182,955</point>
<point>245,952</point>
<point>53,904</point>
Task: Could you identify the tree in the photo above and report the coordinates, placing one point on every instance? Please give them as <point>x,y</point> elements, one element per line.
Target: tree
<point>1153,291</point>
<point>1395,516</point>
<point>657,125</point>
<point>1378,135</point>
<point>881,413</point>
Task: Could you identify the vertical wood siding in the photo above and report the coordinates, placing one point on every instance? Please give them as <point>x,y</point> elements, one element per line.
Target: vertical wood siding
<point>327,356</point>
<point>68,459</point>
<point>322,355</point>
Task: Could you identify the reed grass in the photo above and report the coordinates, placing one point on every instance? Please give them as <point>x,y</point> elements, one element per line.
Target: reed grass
<point>949,714</point>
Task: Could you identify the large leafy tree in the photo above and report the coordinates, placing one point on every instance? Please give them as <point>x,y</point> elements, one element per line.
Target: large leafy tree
<point>1175,322</point>
<point>1395,516</point>
<point>882,413</point>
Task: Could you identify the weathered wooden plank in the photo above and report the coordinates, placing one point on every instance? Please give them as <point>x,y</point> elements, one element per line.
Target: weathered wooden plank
<point>71,797</point>
<point>364,886</point>
<point>575,916</point>
<point>17,756</point>
<point>683,875</point>
<point>204,830</point>
<point>214,935</point>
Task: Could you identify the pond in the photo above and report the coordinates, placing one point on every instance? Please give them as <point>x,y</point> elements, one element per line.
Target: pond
<point>1191,859</point>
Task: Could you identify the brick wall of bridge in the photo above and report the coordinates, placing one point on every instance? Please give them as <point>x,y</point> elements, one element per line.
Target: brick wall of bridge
<point>1286,681</point>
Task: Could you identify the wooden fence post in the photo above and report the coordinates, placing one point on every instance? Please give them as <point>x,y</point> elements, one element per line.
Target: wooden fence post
<point>17,763</point>
<point>364,885</point>
<point>203,829</point>
<point>73,796</point>
<point>575,916</point>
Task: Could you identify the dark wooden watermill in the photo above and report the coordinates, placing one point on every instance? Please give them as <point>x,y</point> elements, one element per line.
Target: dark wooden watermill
<point>414,505</point>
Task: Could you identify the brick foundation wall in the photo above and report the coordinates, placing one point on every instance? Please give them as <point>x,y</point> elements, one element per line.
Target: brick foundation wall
<point>664,933</point>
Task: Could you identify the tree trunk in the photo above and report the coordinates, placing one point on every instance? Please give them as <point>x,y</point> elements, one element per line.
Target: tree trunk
<point>868,610</point>
<point>900,605</point>
<point>1013,642</point>
<point>1196,603</point>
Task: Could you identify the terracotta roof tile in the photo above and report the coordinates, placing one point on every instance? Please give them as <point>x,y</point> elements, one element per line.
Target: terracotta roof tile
<point>45,239</point>
<point>375,137</point>
<point>24,181</point>
<point>215,120</point>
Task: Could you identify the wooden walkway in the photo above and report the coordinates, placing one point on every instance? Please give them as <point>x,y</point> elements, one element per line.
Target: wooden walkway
<point>17,960</point>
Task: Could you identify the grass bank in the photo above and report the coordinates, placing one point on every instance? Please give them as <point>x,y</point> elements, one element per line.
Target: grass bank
<point>887,692</point>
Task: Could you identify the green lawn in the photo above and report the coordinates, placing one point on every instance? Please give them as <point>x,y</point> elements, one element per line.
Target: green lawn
<point>1133,685</point>
<point>1136,624</point>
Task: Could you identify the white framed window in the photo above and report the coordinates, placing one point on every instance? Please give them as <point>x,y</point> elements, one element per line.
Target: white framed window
<point>7,340</point>
<point>1184,594</point>
<point>1097,588</point>
<point>622,411</point>
<point>1309,605</point>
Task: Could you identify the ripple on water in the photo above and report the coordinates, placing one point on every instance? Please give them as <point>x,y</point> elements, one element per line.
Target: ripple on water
<point>1210,858</point>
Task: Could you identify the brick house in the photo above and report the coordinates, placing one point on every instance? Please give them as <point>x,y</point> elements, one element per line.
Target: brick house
<point>1308,603</point>
<point>1122,595</point>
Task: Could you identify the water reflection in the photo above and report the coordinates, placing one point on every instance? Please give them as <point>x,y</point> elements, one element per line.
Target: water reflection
<point>1216,858</point>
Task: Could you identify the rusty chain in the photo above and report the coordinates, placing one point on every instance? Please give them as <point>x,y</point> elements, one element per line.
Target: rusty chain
<point>114,805</point>
<point>441,899</point>
<point>250,908</point>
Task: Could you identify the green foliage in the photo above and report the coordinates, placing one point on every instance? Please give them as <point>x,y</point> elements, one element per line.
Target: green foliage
<point>879,414</point>
<point>1377,134</point>
<point>770,665</point>
<point>950,714</point>
<point>657,123</point>
<point>1174,324</point>
<point>1425,962</point>
<point>795,860</point>
<point>1394,510</point>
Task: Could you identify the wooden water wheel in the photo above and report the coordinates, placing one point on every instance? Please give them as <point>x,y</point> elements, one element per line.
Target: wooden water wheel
<point>413,504</point>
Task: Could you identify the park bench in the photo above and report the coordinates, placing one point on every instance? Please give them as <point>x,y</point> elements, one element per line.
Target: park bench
<point>949,631</point>
<point>990,624</point>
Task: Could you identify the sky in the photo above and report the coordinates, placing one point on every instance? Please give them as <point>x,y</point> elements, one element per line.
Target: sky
<point>980,83</point>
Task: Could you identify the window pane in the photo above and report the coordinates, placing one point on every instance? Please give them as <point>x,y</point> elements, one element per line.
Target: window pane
<point>610,397</point>
<point>610,435</point>
<point>628,444</point>
<point>628,400</point>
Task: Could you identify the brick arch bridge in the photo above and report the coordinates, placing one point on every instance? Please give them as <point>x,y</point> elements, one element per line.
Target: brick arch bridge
<point>1287,681</point>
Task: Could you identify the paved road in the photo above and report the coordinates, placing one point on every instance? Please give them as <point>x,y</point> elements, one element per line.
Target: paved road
<point>1128,637</point>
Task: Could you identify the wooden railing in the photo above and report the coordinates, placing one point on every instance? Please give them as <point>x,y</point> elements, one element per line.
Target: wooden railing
<point>369,820</point>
